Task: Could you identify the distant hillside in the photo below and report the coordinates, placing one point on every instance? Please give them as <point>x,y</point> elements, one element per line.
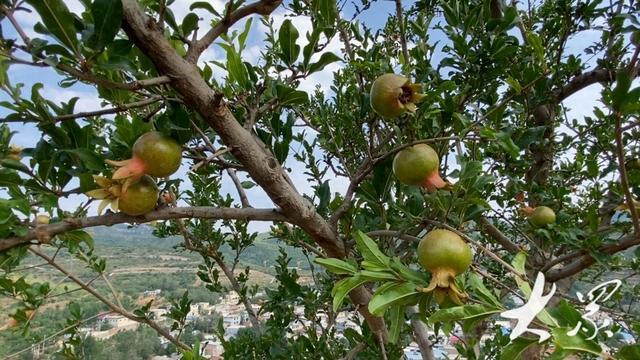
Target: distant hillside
<point>261,255</point>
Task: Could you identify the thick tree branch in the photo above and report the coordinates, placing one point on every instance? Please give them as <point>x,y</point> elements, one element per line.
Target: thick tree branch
<point>262,7</point>
<point>260,164</point>
<point>421,334</point>
<point>161,214</point>
<point>587,260</point>
<point>498,236</point>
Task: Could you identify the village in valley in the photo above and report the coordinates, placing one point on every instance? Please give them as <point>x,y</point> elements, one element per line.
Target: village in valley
<point>234,317</point>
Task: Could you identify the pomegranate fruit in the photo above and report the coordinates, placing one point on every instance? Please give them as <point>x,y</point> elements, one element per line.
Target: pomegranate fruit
<point>418,165</point>
<point>42,219</point>
<point>542,216</point>
<point>15,153</point>
<point>392,95</point>
<point>445,255</point>
<point>140,197</point>
<point>154,154</point>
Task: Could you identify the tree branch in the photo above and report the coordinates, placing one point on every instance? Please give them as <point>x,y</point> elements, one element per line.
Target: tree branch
<point>262,7</point>
<point>86,114</point>
<point>164,333</point>
<point>167,213</point>
<point>587,260</point>
<point>421,334</point>
<point>260,164</point>
<point>624,182</point>
<point>498,236</point>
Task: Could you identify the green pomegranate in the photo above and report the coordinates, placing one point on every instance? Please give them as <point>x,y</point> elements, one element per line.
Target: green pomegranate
<point>154,154</point>
<point>139,198</point>
<point>418,165</point>
<point>542,216</point>
<point>392,95</point>
<point>446,256</point>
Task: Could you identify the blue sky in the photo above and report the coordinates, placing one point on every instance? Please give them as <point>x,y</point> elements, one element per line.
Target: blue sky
<point>27,135</point>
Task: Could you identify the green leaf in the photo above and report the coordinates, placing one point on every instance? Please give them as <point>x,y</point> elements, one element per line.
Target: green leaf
<point>406,273</point>
<point>378,275</point>
<point>457,313</point>
<point>203,5</point>
<point>395,293</point>
<point>475,282</point>
<point>396,322</point>
<point>309,49</point>
<point>619,93</point>
<point>88,158</point>
<point>242,38</point>
<point>576,342</point>
<point>287,37</point>
<point>326,59</point>
<point>629,352</point>
<point>247,184</point>
<point>327,10</point>
<point>514,350</point>
<point>107,17</point>
<point>58,20</point>
<point>536,45</point>
<point>337,266</point>
<point>15,165</point>
<point>235,67</point>
<point>515,85</point>
<point>370,250</point>
<point>289,96</point>
<point>189,23</point>
<point>343,287</point>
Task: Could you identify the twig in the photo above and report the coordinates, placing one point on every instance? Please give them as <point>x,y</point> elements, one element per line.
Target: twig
<point>403,39</point>
<point>498,236</point>
<point>243,195</point>
<point>392,233</point>
<point>624,182</point>
<point>86,114</point>
<point>48,337</point>
<point>262,7</point>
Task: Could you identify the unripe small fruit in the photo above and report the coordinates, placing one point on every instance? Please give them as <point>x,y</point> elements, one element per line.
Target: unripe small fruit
<point>154,154</point>
<point>542,216</point>
<point>418,165</point>
<point>42,219</point>
<point>140,197</point>
<point>445,254</point>
<point>392,95</point>
<point>15,153</point>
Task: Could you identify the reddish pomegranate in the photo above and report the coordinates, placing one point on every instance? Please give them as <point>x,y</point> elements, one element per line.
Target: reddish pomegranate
<point>418,165</point>
<point>154,154</point>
